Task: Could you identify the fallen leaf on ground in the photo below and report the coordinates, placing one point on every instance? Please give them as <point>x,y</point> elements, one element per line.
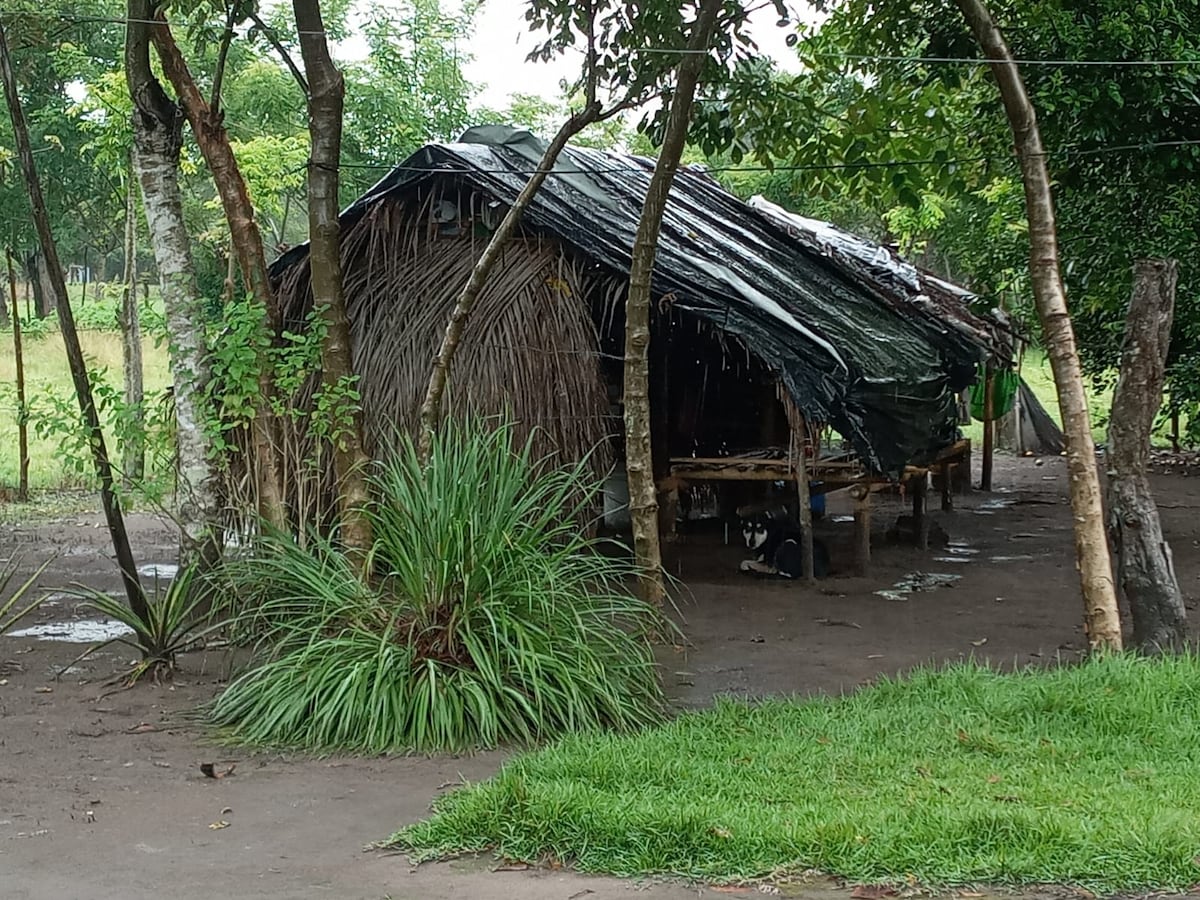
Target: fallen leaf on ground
<point>217,826</point>
<point>210,771</point>
<point>992,779</point>
<point>141,728</point>
<point>44,690</point>
<point>872,892</point>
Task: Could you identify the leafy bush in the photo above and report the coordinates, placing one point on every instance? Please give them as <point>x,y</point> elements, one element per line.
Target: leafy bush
<point>489,617</point>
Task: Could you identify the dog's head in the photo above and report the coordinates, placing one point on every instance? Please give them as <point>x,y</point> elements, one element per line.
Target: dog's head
<point>755,529</point>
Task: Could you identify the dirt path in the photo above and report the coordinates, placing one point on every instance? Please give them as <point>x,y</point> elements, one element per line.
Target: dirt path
<point>101,796</point>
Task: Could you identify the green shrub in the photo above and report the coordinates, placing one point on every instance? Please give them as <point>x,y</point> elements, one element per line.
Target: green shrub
<point>489,618</point>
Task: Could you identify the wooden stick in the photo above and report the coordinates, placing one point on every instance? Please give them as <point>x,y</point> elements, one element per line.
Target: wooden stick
<point>989,428</point>
<point>920,519</point>
<point>862,528</point>
<point>805,499</point>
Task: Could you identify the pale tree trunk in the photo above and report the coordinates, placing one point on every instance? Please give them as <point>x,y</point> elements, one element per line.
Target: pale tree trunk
<point>1101,618</point>
<point>326,93</point>
<point>1145,566</point>
<point>22,408</point>
<point>639,464</point>
<point>131,342</point>
<point>157,140</point>
<point>246,240</point>
<point>431,407</point>
<point>75,360</point>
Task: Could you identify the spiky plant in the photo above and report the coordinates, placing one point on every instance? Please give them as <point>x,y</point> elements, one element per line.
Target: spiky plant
<point>18,605</point>
<point>490,618</point>
<point>177,621</point>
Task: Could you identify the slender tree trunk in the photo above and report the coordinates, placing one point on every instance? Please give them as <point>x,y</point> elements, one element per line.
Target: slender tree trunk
<point>66,323</point>
<point>247,243</point>
<point>1102,619</point>
<point>22,408</point>
<point>5,320</point>
<point>230,277</point>
<point>131,343</point>
<point>326,93</point>
<point>432,406</point>
<point>39,281</point>
<point>157,138</point>
<point>639,465</point>
<point>1145,566</point>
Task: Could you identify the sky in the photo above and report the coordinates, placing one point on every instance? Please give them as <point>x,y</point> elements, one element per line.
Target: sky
<point>501,43</point>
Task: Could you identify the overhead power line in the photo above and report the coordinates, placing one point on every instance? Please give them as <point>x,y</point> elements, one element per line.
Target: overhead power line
<point>807,167</point>
<point>939,60</point>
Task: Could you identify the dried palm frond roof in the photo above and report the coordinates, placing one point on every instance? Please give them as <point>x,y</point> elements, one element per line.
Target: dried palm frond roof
<point>881,368</point>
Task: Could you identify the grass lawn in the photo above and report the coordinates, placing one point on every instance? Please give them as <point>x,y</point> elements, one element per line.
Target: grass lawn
<point>1088,775</point>
<point>46,370</point>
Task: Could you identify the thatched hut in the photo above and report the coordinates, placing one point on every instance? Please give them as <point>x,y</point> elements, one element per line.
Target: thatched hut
<point>751,308</point>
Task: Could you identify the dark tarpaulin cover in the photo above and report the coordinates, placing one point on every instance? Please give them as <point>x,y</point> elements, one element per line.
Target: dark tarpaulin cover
<point>884,377</point>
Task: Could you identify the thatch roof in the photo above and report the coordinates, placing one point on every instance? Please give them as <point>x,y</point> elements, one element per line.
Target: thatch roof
<point>879,360</point>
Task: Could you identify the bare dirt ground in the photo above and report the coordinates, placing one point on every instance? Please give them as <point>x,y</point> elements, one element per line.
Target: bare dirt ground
<point>101,796</point>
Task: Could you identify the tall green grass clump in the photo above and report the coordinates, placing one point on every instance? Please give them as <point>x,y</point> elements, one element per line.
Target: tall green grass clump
<point>489,617</point>
<point>1082,775</point>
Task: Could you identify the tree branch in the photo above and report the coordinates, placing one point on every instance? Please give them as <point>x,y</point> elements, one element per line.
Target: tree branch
<point>222,57</point>
<point>273,39</point>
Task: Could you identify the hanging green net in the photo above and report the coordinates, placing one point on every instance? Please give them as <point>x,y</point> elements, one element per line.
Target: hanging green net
<point>1005,384</point>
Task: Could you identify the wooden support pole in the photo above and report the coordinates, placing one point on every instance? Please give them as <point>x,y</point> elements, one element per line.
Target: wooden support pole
<point>804,497</point>
<point>862,528</point>
<point>920,519</point>
<point>989,428</point>
<point>944,484</point>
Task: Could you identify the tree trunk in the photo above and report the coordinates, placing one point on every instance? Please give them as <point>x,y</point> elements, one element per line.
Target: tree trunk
<point>1102,620</point>
<point>39,281</point>
<point>131,343</point>
<point>157,138</point>
<point>1144,563</point>
<point>66,323</point>
<point>431,407</point>
<point>247,243</point>
<point>22,409</point>
<point>639,466</point>
<point>5,320</point>
<point>326,93</point>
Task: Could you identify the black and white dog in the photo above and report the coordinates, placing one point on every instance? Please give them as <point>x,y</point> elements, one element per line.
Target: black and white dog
<point>776,540</point>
